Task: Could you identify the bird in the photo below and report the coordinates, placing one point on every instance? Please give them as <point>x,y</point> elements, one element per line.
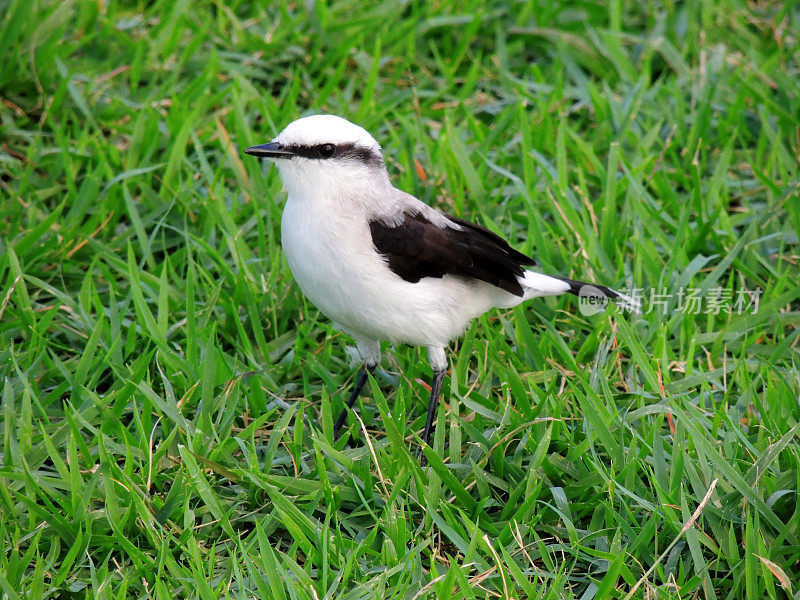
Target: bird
<point>385,266</point>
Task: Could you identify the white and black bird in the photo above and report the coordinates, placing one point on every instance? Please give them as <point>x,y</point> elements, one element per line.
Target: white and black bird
<point>383,265</point>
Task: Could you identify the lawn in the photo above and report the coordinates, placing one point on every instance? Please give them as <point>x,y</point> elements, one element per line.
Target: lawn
<point>167,394</point>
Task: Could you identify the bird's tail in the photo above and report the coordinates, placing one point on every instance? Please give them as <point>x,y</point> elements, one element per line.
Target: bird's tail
<point>593,295</point>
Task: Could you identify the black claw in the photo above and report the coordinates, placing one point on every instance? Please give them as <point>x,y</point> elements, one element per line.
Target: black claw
<point>421,456</point>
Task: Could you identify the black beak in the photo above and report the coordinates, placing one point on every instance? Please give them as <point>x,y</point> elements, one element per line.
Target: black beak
<point>271,150</point>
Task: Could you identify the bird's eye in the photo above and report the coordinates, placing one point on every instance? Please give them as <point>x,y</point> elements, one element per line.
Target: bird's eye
<point>326,150</point>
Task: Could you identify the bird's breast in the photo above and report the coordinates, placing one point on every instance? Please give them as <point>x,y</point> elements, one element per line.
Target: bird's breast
<point>328,253</point>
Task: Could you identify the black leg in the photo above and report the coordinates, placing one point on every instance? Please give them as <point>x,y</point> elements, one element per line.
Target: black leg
<point>362,379</point>
<point>436,389</point>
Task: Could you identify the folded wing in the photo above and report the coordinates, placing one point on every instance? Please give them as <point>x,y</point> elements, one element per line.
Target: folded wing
<point>415,247</point>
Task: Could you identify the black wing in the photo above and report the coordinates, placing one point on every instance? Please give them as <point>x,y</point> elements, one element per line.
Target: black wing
<point>417,248</point>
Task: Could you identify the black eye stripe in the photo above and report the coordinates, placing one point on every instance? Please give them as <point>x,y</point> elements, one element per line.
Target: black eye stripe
<point>340,151</point>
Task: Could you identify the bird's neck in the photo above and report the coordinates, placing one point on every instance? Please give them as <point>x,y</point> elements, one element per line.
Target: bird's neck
<point>355,190</point>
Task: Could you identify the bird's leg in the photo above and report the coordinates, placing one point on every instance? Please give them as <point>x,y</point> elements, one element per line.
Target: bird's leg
<point>436,390</point>
<point>438,361</point>
<point>362,379</point>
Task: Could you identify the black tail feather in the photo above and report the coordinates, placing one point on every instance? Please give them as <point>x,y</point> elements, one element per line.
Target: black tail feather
<point>595,290</point>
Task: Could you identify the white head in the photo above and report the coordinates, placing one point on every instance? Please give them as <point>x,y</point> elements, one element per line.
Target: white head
<point>323,153</point>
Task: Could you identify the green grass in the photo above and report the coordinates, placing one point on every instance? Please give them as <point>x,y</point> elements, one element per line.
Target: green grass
<point>167,394</point>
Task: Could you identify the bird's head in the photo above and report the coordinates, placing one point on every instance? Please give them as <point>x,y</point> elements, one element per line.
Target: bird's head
<point>323,152</point>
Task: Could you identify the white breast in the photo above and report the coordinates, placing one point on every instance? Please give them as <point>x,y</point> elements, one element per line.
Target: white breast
<point>324,269</point>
